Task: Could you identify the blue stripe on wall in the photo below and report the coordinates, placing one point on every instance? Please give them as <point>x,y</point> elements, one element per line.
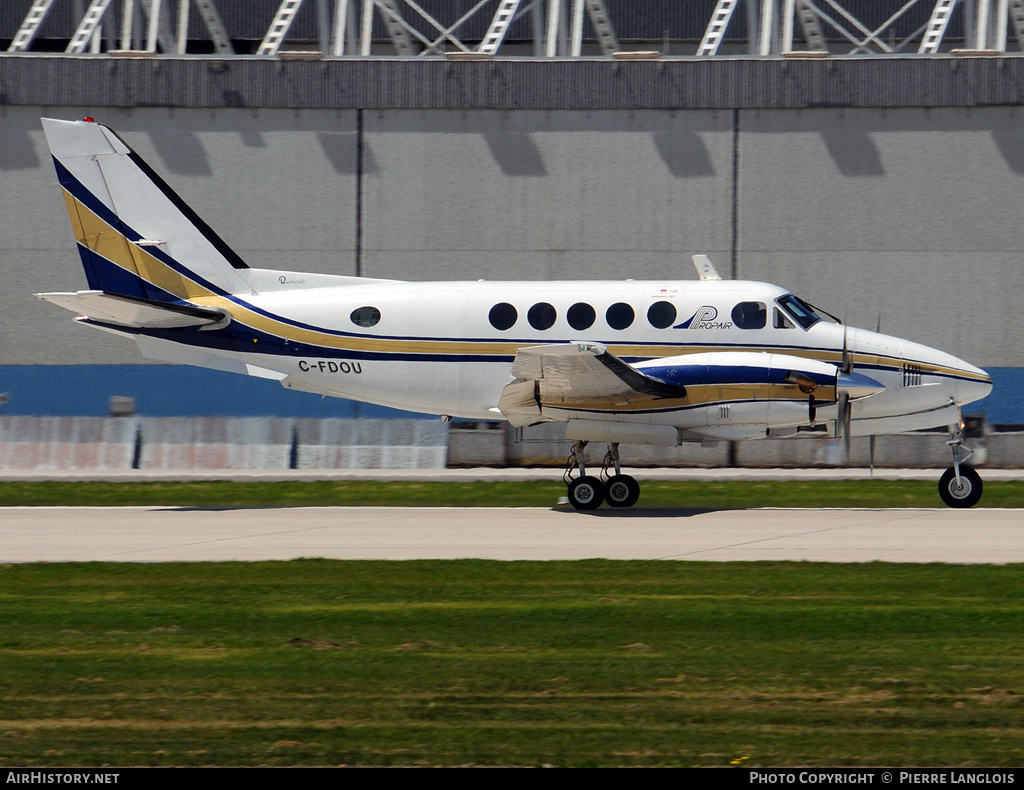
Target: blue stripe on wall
<point>183,391</point>
<point>165,391</point>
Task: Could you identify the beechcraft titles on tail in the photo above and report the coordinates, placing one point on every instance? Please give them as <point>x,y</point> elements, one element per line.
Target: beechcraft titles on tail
<point>636,362</point>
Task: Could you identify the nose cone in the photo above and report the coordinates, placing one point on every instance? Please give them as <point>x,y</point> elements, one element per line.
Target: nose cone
<point>972,383</point>
<point>857,385</point>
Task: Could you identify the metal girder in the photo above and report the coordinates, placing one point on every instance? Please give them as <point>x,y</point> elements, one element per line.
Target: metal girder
<point>606,38</point>
<point>30,26</point>
<point>87,27</point>
<point>278,29</point>
<point>715,31</point>
<point>214,26</point>
<point>936,28</point>
<point>502,21</point>
<point>1016,9</point>
<point>808,17</point>
<point>559,27</point>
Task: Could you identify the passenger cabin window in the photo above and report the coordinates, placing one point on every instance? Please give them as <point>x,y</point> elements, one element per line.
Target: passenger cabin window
<point>779,320</point>
<point>661,315</point>
<point>619,316</point>
<point>799,310</point>
<point>750,315</point>
<point>581,316</point>
<point>365,316</point>
<point>503,316</point>
<point>541,316</point>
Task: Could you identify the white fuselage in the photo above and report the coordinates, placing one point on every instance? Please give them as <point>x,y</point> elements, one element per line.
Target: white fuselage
<point>434,347</point>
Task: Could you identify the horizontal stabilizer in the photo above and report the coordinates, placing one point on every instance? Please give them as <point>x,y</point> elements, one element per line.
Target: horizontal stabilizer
<point>133,312</point>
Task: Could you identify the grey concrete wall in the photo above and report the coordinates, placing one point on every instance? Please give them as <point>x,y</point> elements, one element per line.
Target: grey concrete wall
<point>912,212</point>
<point>545,195</point>
<point>915,214</point>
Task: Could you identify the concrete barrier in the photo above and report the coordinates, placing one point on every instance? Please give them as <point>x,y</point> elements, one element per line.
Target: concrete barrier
<point>67,442</point>
<point>215,443</point>
<point>278,443</point>
<point>371,444</point>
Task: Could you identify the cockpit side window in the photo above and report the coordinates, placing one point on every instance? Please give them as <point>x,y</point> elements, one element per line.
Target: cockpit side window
<point>799,310</point>
<point>779,320</point>
<point>750,315</point>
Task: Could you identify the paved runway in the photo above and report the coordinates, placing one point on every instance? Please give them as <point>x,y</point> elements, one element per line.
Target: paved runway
<point>157,534</point>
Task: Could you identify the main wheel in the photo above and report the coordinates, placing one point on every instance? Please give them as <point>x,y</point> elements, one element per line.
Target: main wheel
<point>586,493</point>
<point>621,491</point>
<point>967,493</point>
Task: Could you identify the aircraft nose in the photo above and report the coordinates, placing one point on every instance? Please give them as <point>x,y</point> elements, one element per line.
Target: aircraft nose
<point>973,384</point>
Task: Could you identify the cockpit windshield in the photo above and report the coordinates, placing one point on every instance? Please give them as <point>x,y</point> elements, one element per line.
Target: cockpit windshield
<point>799,310</point>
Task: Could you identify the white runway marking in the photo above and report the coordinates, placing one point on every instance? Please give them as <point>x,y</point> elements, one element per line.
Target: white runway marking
<point>162,534</point>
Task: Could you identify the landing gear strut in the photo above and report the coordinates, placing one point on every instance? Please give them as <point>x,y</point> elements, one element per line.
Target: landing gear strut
<point>619,490</point>
<point>960,485</point>
<point>587,492</point>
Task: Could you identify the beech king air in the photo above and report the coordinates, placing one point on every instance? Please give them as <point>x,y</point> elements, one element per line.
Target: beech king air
<point>657,362</point>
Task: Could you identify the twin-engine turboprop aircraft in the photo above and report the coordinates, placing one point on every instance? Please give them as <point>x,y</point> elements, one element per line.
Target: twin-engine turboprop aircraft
<point>657,362</point>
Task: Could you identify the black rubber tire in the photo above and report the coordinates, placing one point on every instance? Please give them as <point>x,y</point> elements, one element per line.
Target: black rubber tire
<point>621,491</point>
<point>586,493</point>
<point>968,494</point>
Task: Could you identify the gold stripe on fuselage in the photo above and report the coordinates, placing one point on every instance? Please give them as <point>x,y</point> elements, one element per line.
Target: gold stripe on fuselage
<point>110,243</point>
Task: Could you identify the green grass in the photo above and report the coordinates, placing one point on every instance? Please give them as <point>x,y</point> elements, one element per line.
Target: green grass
<point>526,663</point>
<point>526,493</point>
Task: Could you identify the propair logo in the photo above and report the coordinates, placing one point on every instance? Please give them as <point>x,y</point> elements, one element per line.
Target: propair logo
<point>705,318</point>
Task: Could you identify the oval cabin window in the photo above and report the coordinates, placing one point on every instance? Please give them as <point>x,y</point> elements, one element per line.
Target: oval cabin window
<point>503,316</point>
<point>581,316</point>
<point>619,315</point>
<point>541,315</point>
<point>661,315</point>
<point>365,316</point>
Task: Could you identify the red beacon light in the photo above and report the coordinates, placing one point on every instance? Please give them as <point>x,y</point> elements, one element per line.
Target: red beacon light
<point>89,119</point>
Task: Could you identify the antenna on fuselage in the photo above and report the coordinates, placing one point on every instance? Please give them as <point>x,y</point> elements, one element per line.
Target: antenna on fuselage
<point>705,268</point>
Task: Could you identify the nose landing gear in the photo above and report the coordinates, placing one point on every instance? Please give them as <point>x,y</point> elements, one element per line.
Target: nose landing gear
<point>960,485</point>
<point>587,492</point>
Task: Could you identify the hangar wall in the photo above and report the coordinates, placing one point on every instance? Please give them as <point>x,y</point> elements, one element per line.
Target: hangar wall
<point>911,213</point>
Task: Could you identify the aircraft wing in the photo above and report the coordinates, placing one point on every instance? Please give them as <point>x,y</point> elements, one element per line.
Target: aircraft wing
<point>132,311</point>
<point>575,375</point>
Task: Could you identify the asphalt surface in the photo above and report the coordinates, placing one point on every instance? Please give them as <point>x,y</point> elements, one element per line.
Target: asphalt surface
<point>162,534</point>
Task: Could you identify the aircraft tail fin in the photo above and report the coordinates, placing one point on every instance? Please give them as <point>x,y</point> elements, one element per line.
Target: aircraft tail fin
<point>135,236</point>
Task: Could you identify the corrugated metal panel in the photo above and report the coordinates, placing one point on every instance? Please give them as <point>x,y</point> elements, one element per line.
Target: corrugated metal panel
<point>512,84</point>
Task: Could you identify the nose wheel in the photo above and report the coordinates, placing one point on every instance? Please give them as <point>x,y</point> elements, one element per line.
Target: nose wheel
<point>587,492</point>
<point>965,492</point>
<point>960,485</point>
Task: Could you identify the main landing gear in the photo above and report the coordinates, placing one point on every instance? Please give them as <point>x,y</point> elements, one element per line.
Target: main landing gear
<point>587,492</point>
<point>960,485</point>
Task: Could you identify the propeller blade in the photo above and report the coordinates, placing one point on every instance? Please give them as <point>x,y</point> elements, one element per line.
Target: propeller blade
<point>847,364</point>
<point>846,417</point>
<point>871,453</point>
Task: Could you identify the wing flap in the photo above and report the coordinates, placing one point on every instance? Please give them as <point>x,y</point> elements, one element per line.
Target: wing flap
<point>580,375</point>
<point>133,312</point>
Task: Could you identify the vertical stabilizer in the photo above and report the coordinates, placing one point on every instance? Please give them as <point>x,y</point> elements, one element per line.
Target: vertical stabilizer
<point>136,237</point>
